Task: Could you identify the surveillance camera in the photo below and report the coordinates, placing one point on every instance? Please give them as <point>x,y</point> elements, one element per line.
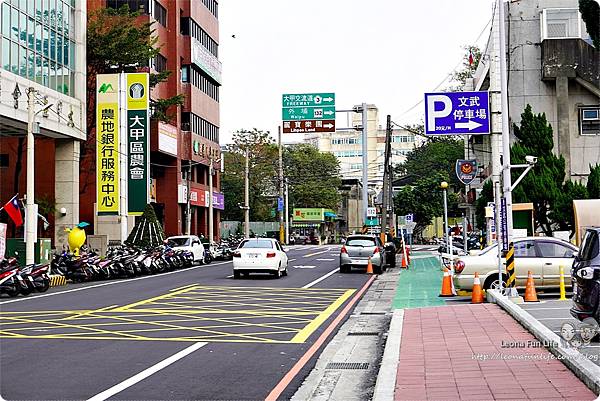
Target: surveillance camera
<point>63,211</point>
<point>531,159</point>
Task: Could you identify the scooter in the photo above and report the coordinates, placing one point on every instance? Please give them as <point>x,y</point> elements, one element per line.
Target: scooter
<point>36,277</point>
<point>11,282</point>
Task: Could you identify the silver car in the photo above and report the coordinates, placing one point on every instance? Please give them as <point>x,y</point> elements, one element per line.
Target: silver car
<point>357,251</point>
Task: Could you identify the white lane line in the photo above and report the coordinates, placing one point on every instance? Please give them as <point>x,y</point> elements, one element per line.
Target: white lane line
<point>291,260</point>
<point>145,373</point>
<point>325,260</point>
<point>110,283</point>
<point>230,276</point>
<point>321,278</point>
<point>304,267</point>
<point>315,253</point>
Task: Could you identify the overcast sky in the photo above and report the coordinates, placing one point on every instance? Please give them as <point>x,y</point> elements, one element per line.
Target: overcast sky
<point>384,52</point>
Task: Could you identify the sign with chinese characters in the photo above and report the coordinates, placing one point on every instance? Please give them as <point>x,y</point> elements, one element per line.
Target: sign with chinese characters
<point>204,59</point>
<point>456,113</point>
<point>138,129</point>
<point>371,212</point>
<point>307,126</point>
<point>167,138</point>
<point>308,214</point>
<point>308,112</point>
<point>503,224</point>
<point>466,170</point>
<point>107,148</point>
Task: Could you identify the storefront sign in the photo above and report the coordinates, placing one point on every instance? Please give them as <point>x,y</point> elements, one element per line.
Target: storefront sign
<point>167,138</point>
<point>206,60</point>
<point>308,214</point>
<point>107,149</point>
<point>2,240</point>
<point>138,176</point>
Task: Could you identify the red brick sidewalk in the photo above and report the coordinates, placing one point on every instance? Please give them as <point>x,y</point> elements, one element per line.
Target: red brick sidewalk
<point>437,359</point>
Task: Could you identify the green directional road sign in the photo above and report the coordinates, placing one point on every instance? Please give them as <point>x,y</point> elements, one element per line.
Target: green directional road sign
<point>308,113</point>
<point>308,100</point>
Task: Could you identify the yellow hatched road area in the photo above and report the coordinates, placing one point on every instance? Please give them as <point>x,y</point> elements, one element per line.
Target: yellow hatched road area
<point>191,313</point>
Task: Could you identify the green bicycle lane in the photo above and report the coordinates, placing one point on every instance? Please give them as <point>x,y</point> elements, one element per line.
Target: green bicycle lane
<point>420,284</point>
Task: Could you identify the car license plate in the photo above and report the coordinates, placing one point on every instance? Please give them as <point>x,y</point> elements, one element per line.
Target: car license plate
<point>253,255</point>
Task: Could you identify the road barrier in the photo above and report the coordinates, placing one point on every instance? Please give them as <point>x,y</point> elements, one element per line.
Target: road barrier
<point>447,285</point>
<point>563,292</point>
<point>57,280</point>
<point>370,267</point>
<point>477,295</point>
<point>530,294</point>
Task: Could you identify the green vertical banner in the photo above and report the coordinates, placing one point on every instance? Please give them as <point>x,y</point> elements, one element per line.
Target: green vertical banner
<point>138,143</point>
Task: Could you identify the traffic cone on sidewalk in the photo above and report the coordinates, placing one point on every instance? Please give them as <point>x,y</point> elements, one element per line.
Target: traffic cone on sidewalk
<point>477,295</point>
<point>447,285</point>
<point>530,294</point>
<point>404,265</point>
<point>370,267</point>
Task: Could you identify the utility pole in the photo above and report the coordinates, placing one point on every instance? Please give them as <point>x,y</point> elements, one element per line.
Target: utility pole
<point>506,176</point>
<point>365,162</point>
<point>188,215</point>
<point>287,212</point>
<point>247,196</point>
<point>281,226</point>
<point>211,171</point>
<point>385,192</point>
<point>31,216</point>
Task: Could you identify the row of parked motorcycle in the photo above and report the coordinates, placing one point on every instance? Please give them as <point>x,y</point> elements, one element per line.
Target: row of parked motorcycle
<point>122,261</point>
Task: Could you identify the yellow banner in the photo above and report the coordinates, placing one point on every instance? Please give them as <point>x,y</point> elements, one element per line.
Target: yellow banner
<point>107,144</point>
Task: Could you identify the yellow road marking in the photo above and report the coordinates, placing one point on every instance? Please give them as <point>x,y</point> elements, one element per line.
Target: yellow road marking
<point>315,253</point>
<point>312,326</point>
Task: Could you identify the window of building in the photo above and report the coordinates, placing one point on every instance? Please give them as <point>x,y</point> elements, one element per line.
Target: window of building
<point>140,6</point>
<point>589,120</point>
<point>160,13</point>
<point>562,23</point>
<point>184,25</point>
<point>37,42</point>
<point>198,125</point>
<point>159,63</point>
<point>3,160</point>
<point>346,141</point>
<point>212,6</point>
<point>202,81</point>
<point>185,73</point>
<point>403,138</point>
<point>204,38</point>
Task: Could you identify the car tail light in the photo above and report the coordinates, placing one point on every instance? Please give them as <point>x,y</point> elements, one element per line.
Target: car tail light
<point>270,254</point>
<point>237,254</point>
<point>376,251</point>
<point>459,266</point>
<point>344,250</point>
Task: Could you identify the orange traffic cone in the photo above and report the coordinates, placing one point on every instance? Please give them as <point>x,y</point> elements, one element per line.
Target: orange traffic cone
<point>404,265</point>
<point>447,285</point>
<point>477,295</point>
<point>370,267</point>
<point>530,294</point>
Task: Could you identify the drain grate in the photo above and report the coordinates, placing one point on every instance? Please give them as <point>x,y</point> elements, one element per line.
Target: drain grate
<point>347,365</point>
<point>363,333</point>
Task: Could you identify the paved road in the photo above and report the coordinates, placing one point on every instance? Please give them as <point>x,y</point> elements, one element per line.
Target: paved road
<point>191,334</point>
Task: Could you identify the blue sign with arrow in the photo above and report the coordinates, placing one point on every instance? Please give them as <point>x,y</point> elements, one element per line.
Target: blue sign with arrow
<point>457,113</point>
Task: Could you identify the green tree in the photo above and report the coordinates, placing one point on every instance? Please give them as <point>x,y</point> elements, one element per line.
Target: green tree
<point>313,177</point>
<point>424,199</point>
<point>262,156</point>
<point>436,155</point>
<point>590,13</point>
<point>593,183</point>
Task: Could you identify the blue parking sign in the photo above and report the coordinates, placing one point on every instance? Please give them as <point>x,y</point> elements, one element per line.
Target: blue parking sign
<point>456,113</point>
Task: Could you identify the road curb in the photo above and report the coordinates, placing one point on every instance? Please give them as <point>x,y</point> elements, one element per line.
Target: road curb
<point>386,378</point>
<point>584,369</point>
<point>57,280</point>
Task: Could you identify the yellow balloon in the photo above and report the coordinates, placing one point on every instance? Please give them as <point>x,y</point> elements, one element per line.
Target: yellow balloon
<point>76,239</point>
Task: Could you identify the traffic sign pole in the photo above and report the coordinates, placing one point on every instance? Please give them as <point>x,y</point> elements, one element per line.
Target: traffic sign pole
<point>365,161</point>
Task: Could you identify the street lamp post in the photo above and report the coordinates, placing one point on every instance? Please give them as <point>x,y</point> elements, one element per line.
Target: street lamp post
<point>444,186</point>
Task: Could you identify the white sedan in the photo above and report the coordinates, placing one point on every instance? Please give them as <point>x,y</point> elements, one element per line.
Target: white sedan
<point>260,255</point>
<point>543,256</point>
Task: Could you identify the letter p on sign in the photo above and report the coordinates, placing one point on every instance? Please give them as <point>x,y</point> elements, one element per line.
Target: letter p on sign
<point>432,113</point>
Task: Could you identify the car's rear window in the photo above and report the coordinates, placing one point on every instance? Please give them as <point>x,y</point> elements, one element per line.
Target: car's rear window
<point>590,247</point>
<point>360,242</point>
<point>257,243</point>
<point>178,241</point>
